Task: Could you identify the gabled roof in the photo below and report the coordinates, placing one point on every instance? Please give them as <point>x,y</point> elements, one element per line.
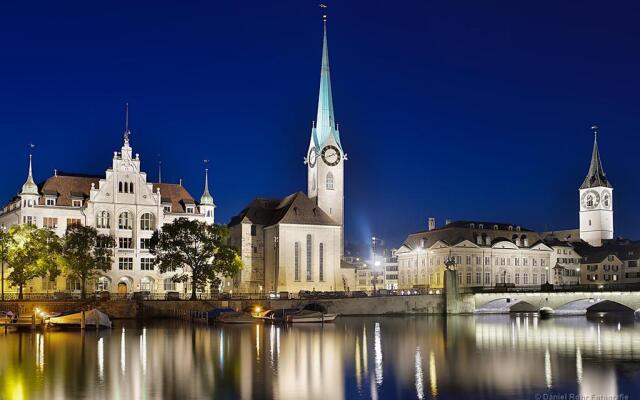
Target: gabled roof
<point>596,176</point>
<point>296,208</point>
<point>176,194</point>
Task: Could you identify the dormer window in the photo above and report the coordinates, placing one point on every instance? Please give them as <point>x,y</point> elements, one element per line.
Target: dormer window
<point>495,227</point>
<point>166,208</point>
<point>76,203</point>
<point>50,201</point>
<point>481,226</point>
<point>510,227</point>
<point>190,209</point>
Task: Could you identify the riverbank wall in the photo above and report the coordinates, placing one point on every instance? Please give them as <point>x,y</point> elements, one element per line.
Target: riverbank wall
<point>382,305</point>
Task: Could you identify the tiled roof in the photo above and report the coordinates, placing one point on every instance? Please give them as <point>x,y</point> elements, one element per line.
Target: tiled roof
<point>459,231</point>
<point>72,186</point>
<point>296,208</point>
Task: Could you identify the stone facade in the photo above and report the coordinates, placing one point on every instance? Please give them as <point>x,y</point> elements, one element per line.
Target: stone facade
<point>122,203</point>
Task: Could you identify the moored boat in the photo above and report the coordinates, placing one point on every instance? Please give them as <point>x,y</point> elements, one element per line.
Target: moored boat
<point>92,318</point>
<point>308,316</point>
<point>546,312</point>
<point>237,318</point>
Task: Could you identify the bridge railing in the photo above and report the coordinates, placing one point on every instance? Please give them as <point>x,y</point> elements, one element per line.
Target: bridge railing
<point>621,287</point>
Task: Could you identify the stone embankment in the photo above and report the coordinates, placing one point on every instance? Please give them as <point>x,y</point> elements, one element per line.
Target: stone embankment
<point>383,305</point>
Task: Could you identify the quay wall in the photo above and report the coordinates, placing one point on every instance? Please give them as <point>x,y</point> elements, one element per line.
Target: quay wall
<point>392,305</point>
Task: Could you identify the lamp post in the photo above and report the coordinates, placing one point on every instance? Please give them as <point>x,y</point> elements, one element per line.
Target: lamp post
<point>546,269</point>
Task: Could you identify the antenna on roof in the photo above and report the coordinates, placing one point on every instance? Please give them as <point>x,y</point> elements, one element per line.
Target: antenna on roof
<point>126,122</point>
<point>159,169</point>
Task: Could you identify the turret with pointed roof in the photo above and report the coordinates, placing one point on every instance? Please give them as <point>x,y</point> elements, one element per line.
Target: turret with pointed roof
<point>596,176</point>
<point>206,198</point>
<point>29,187</point>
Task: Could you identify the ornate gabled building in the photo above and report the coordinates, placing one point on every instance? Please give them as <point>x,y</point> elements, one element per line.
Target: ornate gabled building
<point>122,203</point>
<point>296,243</point>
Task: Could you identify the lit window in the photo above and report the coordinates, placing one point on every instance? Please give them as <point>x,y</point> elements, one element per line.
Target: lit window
<point>51,223</point>
<point>103,220</point>
<point>124,221</point>
<point>147,222</point>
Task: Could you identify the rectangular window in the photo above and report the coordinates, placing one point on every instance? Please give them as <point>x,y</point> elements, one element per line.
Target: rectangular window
<point>516,261</point>
<point>524,262</point>
<point>535,279</point>
<point>73,221</point>
<point>124,243</point>
<point>29,220</point>
<point>51,223</point>
<point>487,261</point>
<point>167,209</point>
<point>478,277</point>
<point>534,262</point>
<point>169,284</point>
<point>321,261</point>
<point>468,260</point>
<point>146,264</point>
<point>76,203</point>
<point>189,210</point>
<point>296,256</point>
<point>145,244</point>
<point>487,278</point>
<point>309,259</point>
<point>517,279</point>
<point>253,230</point>
<point>125,263</point>
<point>50,201</point>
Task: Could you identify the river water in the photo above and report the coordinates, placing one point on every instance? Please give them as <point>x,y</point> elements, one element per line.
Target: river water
<point>421,357</point>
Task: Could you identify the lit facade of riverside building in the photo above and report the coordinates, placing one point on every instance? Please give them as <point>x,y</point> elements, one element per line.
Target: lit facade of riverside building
<point>122,203</point>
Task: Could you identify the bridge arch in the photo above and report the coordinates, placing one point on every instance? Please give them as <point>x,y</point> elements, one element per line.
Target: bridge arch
<point>315,307</point>
<point>506,306</point>
<point>589,305</point>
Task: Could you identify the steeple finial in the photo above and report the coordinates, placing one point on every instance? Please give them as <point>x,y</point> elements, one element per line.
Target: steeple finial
<point>596,176</point>
<point>159,170</point>
<point>127,132</point>
<point>206,198</point>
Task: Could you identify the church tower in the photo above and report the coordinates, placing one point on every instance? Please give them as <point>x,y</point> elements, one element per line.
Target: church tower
<point>596,201</point>
<point>325,157</point>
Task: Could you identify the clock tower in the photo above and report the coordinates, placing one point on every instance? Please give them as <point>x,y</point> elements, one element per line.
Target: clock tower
<point>596,202</point>
<point>325,157</point>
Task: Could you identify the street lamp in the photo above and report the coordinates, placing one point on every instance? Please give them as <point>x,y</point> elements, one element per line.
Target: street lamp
<point>547,273</point>
<point>376,265</point>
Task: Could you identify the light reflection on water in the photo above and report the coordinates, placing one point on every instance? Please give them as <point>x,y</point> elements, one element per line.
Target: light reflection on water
<point>410,357</point>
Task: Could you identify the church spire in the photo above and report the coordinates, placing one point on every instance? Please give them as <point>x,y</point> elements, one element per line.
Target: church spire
<point>325,120</point>
<point>30,186</point>
<point>596,176</point>
<point>206,198</point>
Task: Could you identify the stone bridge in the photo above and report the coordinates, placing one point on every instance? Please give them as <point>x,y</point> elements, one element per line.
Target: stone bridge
<point>564,303</point>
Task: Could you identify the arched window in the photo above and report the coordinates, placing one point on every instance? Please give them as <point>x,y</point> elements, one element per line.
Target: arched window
<point>124,220</point>
<point>147,222</point>
<point>329,181</point>
<point>120,187</point>
<point>309,271</point>
<point>103,220</point>
<point>130,187</point>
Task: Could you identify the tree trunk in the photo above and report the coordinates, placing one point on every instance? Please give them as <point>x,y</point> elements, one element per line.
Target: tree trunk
<point>83,292</point>
<point>20,291</point>
<point>193,291</point>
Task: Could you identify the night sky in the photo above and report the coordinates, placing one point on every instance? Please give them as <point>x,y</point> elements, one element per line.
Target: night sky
<point>453,109</point>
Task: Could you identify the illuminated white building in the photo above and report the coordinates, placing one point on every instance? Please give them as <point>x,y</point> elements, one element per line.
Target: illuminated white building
<point>122,203</point>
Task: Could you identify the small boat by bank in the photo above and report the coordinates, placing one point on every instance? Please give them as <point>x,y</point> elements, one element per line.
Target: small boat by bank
<point>214,314</point>
<point>92,318</point>
<point>546,312</point>
<point>237,318</point>
<point>308,316</point>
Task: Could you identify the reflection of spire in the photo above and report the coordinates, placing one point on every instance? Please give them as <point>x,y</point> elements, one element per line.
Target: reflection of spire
<point>30,186</point>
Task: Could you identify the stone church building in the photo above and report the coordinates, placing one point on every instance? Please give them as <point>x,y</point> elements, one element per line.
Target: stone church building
<point>297,242</point>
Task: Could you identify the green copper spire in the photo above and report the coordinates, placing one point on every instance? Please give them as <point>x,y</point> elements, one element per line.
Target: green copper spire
<point>206,198</point>
<point>30,186</point>
<point>325,121</point>
<point>596,176</point>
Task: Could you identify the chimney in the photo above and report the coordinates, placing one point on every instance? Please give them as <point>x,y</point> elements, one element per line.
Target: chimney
<point>432,223</point>
<point>447,221</point>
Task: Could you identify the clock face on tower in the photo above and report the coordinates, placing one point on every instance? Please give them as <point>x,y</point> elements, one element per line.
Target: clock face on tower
<point>590,199</point>
<point>311,159</point>
<point>331,155</point>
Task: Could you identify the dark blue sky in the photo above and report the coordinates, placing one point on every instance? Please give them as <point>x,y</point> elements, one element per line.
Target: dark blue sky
<point>459,109</point>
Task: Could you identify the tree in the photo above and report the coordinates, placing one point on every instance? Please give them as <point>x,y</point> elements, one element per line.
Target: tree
<point>85,253</point>
<point>48,246</point>
<point>22,256</point>
<point>195,250</point>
